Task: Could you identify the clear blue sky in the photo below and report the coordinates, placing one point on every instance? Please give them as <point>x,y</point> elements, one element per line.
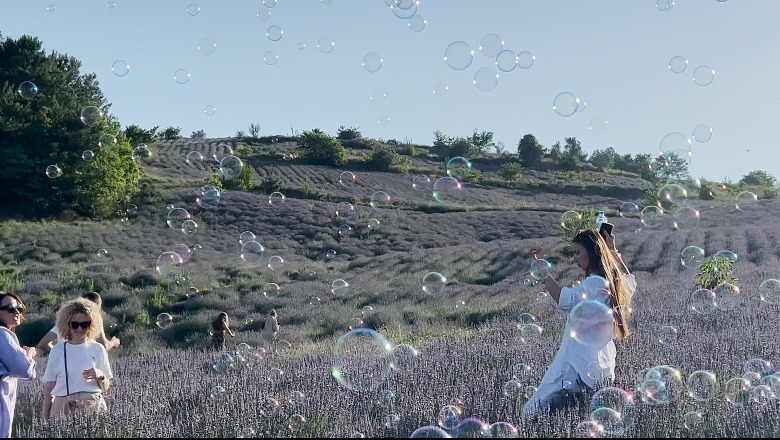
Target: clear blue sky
<point>614,54</point>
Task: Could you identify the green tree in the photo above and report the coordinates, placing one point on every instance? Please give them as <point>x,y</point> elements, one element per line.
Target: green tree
<point>571,225</point>
<point>511,171</point>
<point>573,149</point>
<point>670,166</point>
<point>254,130</point>
<point>319,148</point>
<point>200,134</point>
<point>451,147</point>
<point>170,133</point>
<point>500,149</point>
<point>530,151</point>
<point>271,182</point>
<point>348,134</point>
<point>137,135</point>
<point>603,159</point>
<point>46,130</point>
<point>440,140</point>
<point>759,178</point>
<point>460,146</point>
<point>481,141</point>
<point>555,152</point>
<point>246,178</point>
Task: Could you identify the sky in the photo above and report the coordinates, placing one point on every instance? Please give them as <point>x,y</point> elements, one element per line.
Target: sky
<point>614,55</point>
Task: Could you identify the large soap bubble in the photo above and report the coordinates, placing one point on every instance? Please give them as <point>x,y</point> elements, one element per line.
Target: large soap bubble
<point>230,166</point>
<point>208,197</point>
<point>177,217</point>
<point>458,55</point>
<point>591,323</point>
<point>27,90</point>
<point>252,252</point>
<point>169,265</point>
<point>362,360</point>
<point>91,115</point>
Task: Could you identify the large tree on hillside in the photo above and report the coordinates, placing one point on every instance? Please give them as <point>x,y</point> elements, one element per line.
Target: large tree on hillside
<point>530,151</point>
<point>603,159</point>
<point>573,150</point>
<point>46,130</point>
<point>481,141</point>
<point>670,166</point>
<point>759,178</point>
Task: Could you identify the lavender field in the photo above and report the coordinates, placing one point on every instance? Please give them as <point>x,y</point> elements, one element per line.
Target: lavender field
<point>467,335</point>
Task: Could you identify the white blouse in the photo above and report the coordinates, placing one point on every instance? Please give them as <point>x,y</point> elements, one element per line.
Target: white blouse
<point>80,357</point>
<point>56,331</point>
<point>270,327</point>
<point>580,356</point>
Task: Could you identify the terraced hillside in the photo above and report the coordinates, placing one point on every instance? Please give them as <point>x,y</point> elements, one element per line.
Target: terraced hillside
<point>466,335</point>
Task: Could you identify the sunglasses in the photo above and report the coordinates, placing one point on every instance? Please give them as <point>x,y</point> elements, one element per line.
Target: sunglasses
<point>84,325</point>
<point>13,309</point>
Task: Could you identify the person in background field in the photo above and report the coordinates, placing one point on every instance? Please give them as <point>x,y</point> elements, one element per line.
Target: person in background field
<point>16,361</point>
<point>53,337</point>
<point>270,328</point>
<point>219,327</point>
<point>607,281</point>
<point>78,373</point>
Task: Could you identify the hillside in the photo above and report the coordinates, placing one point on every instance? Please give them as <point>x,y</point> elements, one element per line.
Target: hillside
<point>480,245</point>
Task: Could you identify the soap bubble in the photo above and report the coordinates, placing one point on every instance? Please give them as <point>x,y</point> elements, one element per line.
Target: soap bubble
<point>164,320</point>
<point>27,90</point>
<point>362,360</point>
<point>91,115</point>
<point>540,269</point>
<point>252,252</point>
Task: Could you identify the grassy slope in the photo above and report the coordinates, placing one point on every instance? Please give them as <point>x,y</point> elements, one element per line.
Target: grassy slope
<point>482,251</point>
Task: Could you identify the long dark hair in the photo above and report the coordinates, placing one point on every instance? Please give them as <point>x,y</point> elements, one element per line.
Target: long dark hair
<point>221,322</point>
<point>602,263</point>
<point>19,301</point>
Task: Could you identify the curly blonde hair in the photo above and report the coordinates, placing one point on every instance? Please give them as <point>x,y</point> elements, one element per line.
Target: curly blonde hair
<point>73,307</point>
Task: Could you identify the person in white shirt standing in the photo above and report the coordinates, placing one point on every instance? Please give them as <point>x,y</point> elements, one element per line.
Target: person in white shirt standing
<point>78,372</point>
<point>607,281</point>
<point>270,328</point>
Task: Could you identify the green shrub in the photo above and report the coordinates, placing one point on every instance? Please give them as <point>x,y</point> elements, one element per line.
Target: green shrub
<point>346,134</point>
<point>408,150</point>
<point>714,271</point>
<point>381,159</point>
<point>271,183</point>
<point>511,171</point>
<point>708,191</point>
<point>570,228</point>
<point>385,158</point>
<point>243,151</point>
<point>771,193</point>
<point>318,148</point>
<point>246,178</point>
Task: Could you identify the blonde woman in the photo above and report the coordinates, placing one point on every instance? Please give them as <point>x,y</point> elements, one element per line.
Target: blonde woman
<point>78,373</point>
<point>53,337</point>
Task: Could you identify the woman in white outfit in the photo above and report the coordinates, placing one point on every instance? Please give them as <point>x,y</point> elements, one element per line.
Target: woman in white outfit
<point>270,328</point>
<point>78,373</point>
<point>607,281</point>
